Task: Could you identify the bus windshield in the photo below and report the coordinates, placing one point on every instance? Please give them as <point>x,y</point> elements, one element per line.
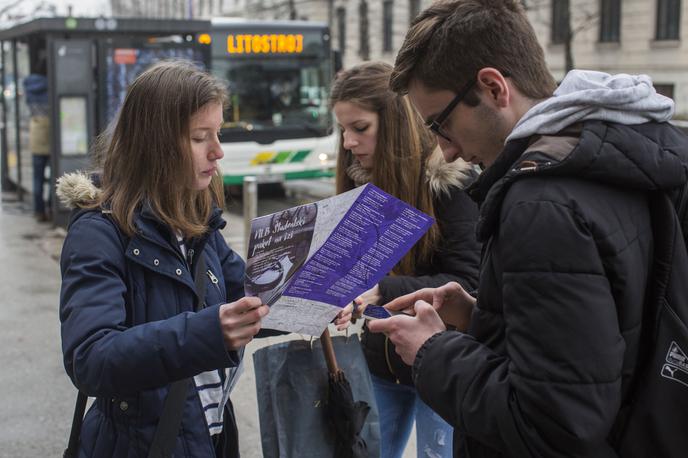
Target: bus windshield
<point>278,81</point>
<point>268,93</point>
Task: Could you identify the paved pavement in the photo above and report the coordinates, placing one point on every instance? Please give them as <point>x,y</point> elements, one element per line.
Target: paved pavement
<point>37,398</point>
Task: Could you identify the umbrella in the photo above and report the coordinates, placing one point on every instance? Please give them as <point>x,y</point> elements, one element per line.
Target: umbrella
<point>346,415</point>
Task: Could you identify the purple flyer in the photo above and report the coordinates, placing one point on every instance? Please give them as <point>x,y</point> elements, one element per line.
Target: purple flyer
<point>309,261</point>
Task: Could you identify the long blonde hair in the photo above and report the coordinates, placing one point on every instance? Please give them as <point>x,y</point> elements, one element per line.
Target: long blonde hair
<point>402,149</point>
<point>148,156</point>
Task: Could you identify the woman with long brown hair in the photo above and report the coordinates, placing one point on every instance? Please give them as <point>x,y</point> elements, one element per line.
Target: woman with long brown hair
<point>151,300</point>
<point>383,142</point>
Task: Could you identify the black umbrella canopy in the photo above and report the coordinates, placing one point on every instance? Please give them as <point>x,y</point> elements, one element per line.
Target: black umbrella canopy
<point>346,416</point>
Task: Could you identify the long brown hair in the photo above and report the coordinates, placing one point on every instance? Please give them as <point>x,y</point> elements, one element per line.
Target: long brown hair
<point>403,146</point>
<point>148,156</point>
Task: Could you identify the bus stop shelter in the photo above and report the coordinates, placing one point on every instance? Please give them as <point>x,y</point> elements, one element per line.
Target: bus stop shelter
<point>88,64</point>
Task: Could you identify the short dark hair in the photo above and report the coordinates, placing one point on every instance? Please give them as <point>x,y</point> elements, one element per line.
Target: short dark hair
<point>449,42</point>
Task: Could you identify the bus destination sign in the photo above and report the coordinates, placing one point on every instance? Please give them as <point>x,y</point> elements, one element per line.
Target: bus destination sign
<point>272,43</point>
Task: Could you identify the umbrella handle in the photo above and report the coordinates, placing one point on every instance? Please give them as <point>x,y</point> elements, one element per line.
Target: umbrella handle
<point>328,351</point>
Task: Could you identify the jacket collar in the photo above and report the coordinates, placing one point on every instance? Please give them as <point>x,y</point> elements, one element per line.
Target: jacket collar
<point>651,156</point>
<point>149,226</point>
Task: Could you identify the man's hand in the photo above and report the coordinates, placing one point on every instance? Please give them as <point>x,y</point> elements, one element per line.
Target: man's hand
<point>452,302</point>
<point>240,321</point>
<point>409,333</point>
<point>343,319</point>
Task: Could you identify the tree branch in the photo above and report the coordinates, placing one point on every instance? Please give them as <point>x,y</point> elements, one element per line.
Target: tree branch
<point>6,8</point>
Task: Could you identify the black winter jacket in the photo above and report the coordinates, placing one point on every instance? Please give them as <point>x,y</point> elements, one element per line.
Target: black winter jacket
<point>455,259</point>
<point>555,334</point>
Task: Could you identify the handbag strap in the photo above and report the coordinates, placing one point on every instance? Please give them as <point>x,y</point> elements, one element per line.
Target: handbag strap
<point>171,416</point>
<point>170,420</point>
<point>75,433</point>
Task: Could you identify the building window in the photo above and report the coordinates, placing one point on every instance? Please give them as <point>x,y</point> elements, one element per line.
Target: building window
<point>666,90</point>
<point>560,21</point>
<point>414,9</point>
<point>341,29</point>
<point>668,19</point>
<point>610,20</point>
<point>363,46</point>
<point>387,20</point>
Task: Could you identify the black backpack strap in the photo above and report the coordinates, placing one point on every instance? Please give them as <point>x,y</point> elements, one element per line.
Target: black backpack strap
<point>165,436</point>
<point>666,222</point>
<point>664,228</point>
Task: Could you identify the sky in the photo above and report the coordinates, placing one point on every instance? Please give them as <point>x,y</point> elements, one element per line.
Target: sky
<point>22,11</point>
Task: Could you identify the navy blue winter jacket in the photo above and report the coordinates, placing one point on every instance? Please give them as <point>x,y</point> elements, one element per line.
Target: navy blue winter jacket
<point>129,328</point>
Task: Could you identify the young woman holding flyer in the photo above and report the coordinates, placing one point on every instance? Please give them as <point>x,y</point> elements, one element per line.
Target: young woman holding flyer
<point>383,141</point>
<point>151,293</point>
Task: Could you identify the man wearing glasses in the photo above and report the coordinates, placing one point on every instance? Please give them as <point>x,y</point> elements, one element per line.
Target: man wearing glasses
<point>541,360</point>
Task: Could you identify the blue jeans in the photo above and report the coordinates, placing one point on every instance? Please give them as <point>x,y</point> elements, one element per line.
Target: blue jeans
<point>39,162</point>
<point>398,406</point>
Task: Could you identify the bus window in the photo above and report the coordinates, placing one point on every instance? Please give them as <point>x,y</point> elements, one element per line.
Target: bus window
<point>277,123</point>
<point>274,93</point>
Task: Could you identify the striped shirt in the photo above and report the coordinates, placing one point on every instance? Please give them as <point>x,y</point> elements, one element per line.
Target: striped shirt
<point>214,386</point>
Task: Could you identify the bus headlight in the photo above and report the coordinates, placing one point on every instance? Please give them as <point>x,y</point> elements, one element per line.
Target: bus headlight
<point>323,157</point>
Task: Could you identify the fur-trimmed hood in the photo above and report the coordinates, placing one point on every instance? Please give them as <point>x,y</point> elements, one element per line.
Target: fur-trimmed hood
<point>443,175</point>
<point>76,190</point>
<point>440,175</point>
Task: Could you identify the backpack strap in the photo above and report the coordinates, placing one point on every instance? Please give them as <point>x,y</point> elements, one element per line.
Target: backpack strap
<point>171,415</point>
<point>664,227</point>
<point>665,223</point>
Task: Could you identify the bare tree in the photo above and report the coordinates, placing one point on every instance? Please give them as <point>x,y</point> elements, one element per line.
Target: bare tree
<point>363,33</point>
<point>570,21</point>
<point>7,7</point>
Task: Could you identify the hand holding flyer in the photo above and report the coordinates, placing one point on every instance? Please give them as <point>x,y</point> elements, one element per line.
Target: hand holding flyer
<point>310,261</point>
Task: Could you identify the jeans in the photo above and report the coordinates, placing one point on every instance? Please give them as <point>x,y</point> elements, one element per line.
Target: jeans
<point>39,162</point>
<point>398,406</point>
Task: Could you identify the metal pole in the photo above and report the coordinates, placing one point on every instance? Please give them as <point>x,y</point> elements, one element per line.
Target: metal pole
<point>4,163</point>
<point>17,120</point>
<point>250,207</point>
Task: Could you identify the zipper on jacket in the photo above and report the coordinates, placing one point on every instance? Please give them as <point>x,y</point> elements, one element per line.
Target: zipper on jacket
<point>214,280</point>
<point>389,363</point>
<point>531,166</point>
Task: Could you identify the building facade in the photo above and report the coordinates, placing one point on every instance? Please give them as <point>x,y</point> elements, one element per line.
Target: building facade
<point>615,36</point>
<point>361,29</point>
<point>619,36</point>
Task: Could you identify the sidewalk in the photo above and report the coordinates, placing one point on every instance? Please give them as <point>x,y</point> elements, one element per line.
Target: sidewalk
<point>37,396</point>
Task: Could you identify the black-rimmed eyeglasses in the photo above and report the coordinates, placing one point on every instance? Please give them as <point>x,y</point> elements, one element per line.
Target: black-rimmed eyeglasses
<point>436,124</point>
